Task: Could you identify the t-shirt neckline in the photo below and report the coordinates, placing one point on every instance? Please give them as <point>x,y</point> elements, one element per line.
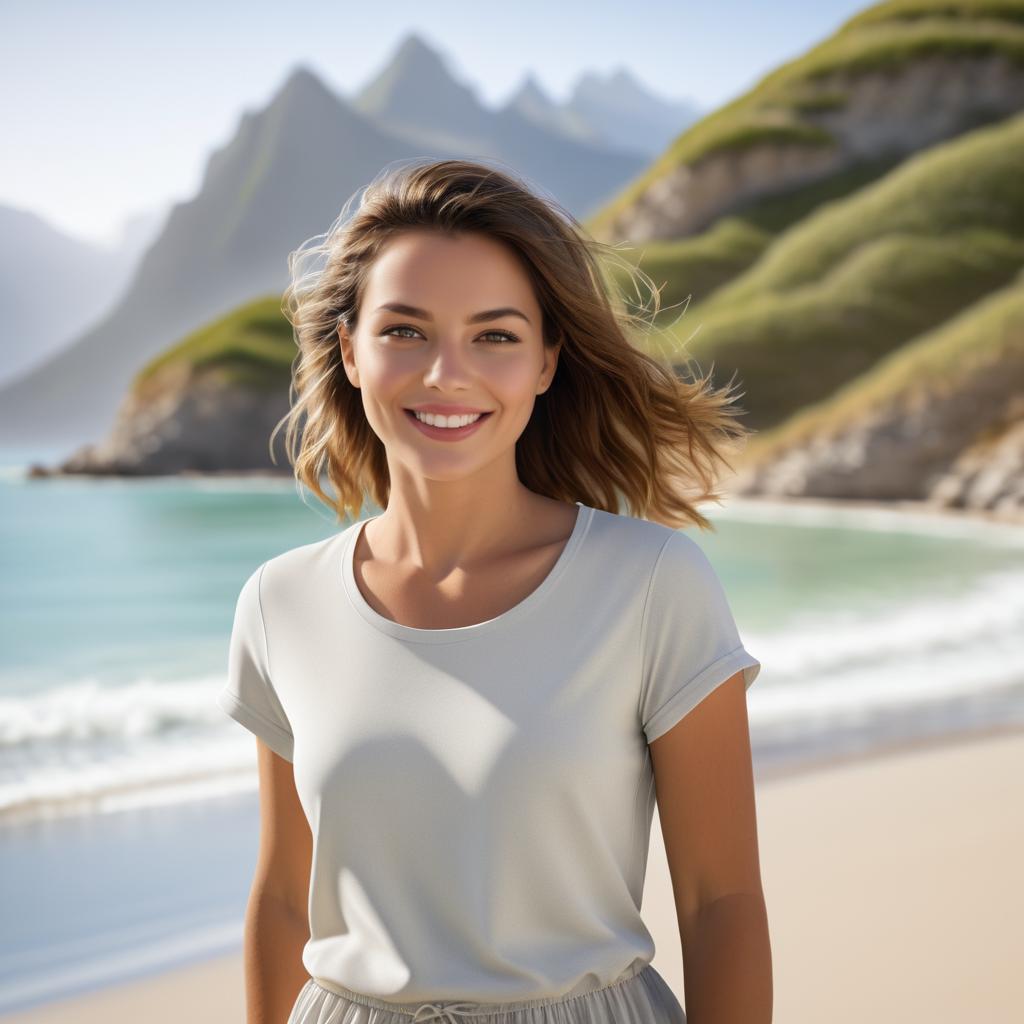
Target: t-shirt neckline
<point>414,634</point>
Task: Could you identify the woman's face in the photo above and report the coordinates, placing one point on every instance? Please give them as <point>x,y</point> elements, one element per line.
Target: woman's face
<point>462,336</point>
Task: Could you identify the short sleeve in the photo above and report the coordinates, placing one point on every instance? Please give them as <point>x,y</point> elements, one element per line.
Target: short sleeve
<point>249,696</point>
<point>688,637</point>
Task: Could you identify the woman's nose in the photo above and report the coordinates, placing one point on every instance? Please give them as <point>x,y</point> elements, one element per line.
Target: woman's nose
<point>448,364</point>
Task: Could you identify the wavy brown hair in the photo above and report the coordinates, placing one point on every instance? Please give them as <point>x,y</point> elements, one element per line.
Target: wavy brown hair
<point>616,424</point>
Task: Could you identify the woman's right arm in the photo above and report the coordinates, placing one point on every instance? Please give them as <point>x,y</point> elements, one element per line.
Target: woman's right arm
<point>277,917</point>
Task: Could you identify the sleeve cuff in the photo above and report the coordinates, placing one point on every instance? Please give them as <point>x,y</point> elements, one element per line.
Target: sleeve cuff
<point>278,739</point>
<point>684,700</point>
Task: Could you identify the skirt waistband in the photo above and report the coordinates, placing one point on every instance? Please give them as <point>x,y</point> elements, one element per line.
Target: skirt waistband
<point>448,1010</point>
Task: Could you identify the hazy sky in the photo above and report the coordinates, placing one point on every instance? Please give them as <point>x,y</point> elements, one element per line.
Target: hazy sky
<point>110,108</point>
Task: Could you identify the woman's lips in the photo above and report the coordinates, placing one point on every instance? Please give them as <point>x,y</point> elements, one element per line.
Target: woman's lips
<point>447,433</point>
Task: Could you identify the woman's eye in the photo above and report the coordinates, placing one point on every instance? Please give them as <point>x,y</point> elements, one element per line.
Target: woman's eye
<point>502,337</point>
<point>388,330</point>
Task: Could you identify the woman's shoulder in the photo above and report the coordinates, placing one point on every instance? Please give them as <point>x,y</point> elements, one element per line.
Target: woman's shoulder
<point>636,548</point>
<point>632,536</point>
<point>306,565</point>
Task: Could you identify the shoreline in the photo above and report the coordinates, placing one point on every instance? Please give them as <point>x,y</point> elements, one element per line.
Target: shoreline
<point>901,506</point>
<point>789,796</point>
<point>884,749</point>
<point>910,506</point>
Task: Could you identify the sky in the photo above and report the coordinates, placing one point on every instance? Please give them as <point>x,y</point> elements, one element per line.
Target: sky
<point>110,109</point>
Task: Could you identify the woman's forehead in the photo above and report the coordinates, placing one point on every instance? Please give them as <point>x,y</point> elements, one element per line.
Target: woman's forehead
<point>461,275</point>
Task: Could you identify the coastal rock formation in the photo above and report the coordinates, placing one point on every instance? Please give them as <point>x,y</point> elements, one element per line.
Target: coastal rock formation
<point>184,420</point>
<point>916,451</point>
<point>941,421</point>
<point>849,117</point>
<point>987,475</point>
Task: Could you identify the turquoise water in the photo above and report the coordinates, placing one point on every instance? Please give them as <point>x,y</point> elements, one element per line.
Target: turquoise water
<point>117,598</point>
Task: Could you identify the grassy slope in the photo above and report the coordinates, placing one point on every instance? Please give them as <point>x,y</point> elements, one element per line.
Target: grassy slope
<point>981,339</point>
<point>252,346</point>
<point>777,108</point>
<point>865,274</point>
<point>695,267</point>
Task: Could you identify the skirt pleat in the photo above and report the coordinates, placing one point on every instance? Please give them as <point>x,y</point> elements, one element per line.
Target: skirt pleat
<point>640,997</point>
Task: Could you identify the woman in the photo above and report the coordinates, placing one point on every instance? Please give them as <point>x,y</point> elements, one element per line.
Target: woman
<point>466,705</point>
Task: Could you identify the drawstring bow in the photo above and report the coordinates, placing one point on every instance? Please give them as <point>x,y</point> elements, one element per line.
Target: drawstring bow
<point>445,1014</point>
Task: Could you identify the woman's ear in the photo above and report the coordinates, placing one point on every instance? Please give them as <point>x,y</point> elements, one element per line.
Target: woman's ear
<point>550,365</point>
<point>348,358</point>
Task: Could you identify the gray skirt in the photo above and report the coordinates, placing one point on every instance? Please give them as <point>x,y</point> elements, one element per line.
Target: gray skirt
<point>641,996</point>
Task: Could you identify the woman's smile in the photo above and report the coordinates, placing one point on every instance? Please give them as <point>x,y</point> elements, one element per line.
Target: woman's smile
<point>445,433</point>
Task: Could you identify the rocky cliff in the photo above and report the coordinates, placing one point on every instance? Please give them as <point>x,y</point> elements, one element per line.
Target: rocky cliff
<point>941,421</point>
<point>197,423</point>
<point>890,82</point>
<point>208,405</point>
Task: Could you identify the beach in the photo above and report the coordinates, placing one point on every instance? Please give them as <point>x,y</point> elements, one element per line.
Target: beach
<point>892,881</point>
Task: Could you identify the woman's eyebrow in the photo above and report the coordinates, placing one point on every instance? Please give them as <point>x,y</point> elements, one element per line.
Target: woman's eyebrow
<point>476,318</point>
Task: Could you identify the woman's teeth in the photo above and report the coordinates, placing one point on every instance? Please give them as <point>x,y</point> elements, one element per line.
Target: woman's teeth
<point>446,421</point>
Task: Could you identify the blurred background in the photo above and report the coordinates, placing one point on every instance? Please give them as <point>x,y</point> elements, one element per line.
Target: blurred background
<point>831,198</point>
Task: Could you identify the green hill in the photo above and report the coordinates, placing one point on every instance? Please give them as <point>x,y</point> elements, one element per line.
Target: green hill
<point>863,275</point>
<point>783,105</point>
<point>206,405</point>
<point>938,421</point>
<point>986,339</point>
<point>251,346</point>
<point>696,266</point>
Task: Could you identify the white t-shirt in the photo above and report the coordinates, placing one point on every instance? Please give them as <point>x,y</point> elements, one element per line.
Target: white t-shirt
<point>481,798</point>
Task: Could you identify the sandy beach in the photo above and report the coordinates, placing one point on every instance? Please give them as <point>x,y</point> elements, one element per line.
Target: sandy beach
<point>892,882</point>
<point>893,886</point>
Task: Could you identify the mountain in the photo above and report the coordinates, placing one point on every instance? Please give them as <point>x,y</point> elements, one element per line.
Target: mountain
<point>281,179</point>
<point>138,231</point>
<point>625,113</point>
<point>418,97</point>
<point>893,80</point>
<point>38,263</point>
<point>615,110</point>
<point>533,104</point>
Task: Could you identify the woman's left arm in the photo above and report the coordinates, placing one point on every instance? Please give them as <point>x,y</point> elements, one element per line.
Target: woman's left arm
<point>705,789</point>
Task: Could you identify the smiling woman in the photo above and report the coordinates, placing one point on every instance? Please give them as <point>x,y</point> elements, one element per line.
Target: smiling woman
<point>630,431</point>
<point>477,686</point>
